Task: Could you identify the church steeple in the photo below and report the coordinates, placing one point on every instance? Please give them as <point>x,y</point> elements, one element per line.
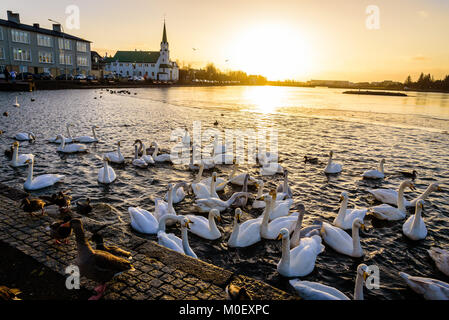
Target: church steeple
<point>164,35</point>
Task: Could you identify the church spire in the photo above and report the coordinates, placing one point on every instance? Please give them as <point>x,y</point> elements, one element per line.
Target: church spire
<point>164,36</point>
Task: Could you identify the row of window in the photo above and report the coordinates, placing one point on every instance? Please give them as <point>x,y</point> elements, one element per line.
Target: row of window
<point>128,64</point>
<point>45,57</point>
<point>43,40</point>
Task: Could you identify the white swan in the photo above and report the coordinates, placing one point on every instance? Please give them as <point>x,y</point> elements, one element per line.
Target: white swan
<point>205,227</point>
<point>116,156</point>
<point>70,148</point>
<point>138,162</point>
<point>42,181</point>
<point>19,160</point>
<point>345,216</point>
<point>173,242</point>
<point>300,232</point>
<point>87,139</point>
<point>258,203</point>
<point>240,178</point>
<point>431,188</point>
<point>388,212</point>
<point>147,158</point>
<point>390,196</point>
<point>106,174</point>
<point>271,230</point>
<point>178,192</point>
<point>244,234</point>
<point>299,261</point>
<point>332,167</point>
<point>431,289</point>
<point>279,208</point>
<point>67,140</point>
<point>271,169</point>
<point>376,174</point>
<point>441,259</point>
<point>342,242</point>
<point>16,104</point>
<point>284,188</point>
<point>264,158</point>
<point>415,228</point>
<point>25,136</point>
<point>143,221</point>
<point>161,157</point>
<point>203,191</point>
<point>205,205</point>
<point>316,291</point>
<point>162,208</point>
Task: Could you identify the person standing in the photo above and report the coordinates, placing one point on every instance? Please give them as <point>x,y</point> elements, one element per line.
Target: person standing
<point>13,76</point>
<point>6,72</point>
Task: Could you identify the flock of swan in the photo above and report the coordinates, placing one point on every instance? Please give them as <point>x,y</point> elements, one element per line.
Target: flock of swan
<point>300,244</point>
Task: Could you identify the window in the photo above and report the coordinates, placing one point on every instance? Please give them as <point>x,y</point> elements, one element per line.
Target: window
<point>43,41</point>
<point>2,53</point>
<point>65,59</point>
<point>21,54</point>
<point>45,57</point>
<point>82,61</point>
<point>20,36</point>
<point>65,44</point>
<point>1,33</point>
<point>81,46</point>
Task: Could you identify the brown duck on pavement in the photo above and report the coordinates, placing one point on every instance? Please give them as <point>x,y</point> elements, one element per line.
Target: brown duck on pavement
<point>32,205</point>
<point>116,251</point>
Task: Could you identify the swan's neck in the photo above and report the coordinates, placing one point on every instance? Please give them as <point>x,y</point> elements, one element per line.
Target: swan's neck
<point>417,219</point>
<point>118,151</point>
<point>401,206</point>
<point>285,184</point>
<point>357,247</point>
<point>106,172</point>
<point>426,193</point>
<point>381,167</point>
<point>342,212</point>
<point>266,217</point>
<point>235,233</point>
<point>170,200</point>
<point>30,171</point>
<point>233,197</point>
<point>15,155</point>
<point>62,146</point>
<point>200,174</point>
<point>68,132</point>
<point>144,150</point>
<point>358,289</point>
<point>285,258</point>
<point>212,187</point>
<point>163,221</point>
<point>94,133</point>
<point>260,191</point>
<point>245,184</point>
<point>156,150</point>
<point>185,241</point>
<point>136,152</point>
<point>296,236</point>
<point>212,225</point>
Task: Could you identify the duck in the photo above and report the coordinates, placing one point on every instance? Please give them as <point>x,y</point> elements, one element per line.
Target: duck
<point>175,243</point>
<point>234,292</point>
<point>441,259</point>
<point>97,265</point>
<point>430,289</point>
<point>61,199</point>
<point>270,230</point>
<point>332,167</point>
<point>240,178</point>
<point>410,174</point>
<point>376,174</point>
<point>70,148</point>
<point>106,175</point>
<point>271,169</point>
<point>116,157</point>
<point>88,139</point>
<point>345,216</point>
<point>300,232</point>
<point>178,192</point>
<point>32,205</point>
<point>415,228</point>
<point>25,136</point>
<point>299,261</point>
<point>84,207</point>
<point>9,153</point>
<point>8,294</point>
<point>284,187</point>
<point>138,162</point>
<point>308,290</point>
<point>244,234</point>
<point>57,139</point>
<point>257,202</point>
<point>19,160</point>
<point>42,181</point>
<point>16,104</point>
<point>342,242</point>
<point>388,212</point>
<point>159,158</point>
<point>205,205</point>
<point>311,160</point>
<point>147,158</point>
<point>242,201</point>
<point>205,227</point>
<point>116,251</point>
<point>61,230</point>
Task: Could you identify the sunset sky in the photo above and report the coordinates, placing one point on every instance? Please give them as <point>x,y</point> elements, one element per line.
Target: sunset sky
<point>285,39</point>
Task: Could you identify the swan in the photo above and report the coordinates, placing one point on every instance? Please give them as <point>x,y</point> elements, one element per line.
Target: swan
<point>106,174</point>
<point>162,208</point>
<point>240,178</point>
<point>376,174</point>
<point>441,259</point>
<point>138,162</point>
<point>203,191</point>
<point>258,203</point>
<point>173,242</point>
<point>316,291</point>
<point>390,196</point>
<point>265,158</point>
<point>242,201</point>
<point>220,183</point>
<point>16,104</point>
<point>116,157</point>
<point>204,205</point>
<point>67,140</point>
<point>332,167</point>
<point>25,136</point>
<point>431,188</point>
<point>70,148</point>
<point>431,289</point>
<point>244,234</point>
<point>147,158</point>
<point>415,228</point>
<point>42,181</point>
<point>271,230</point>
<point>178,192</point>
<point>143,221</point>
<point>19,160</point>
<point>299,261</point>
<point>342,242</point>
<point>387,212</point>
<point>271,169</point>
<point>300,232</point>
<point>346,216</point>
<point>159,158</point>
<point>205,227</point>
<point>284,187</point>
<point>87,139</point>
<point>279,208</point>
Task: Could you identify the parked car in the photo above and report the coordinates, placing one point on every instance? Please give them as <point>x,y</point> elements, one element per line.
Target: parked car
<point>25,76</point>
<point>110,77</point>
<point>63,77</point>
<point>91,77</point>
<point>43,76</point>
<point>80,77</point>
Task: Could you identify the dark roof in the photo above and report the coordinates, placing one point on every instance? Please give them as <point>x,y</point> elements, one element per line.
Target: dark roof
<point>26,27</point>
<point>135,56</point>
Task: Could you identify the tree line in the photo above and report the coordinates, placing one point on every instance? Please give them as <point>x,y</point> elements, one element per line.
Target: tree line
<point>212,73</point>
<point>427,82</point>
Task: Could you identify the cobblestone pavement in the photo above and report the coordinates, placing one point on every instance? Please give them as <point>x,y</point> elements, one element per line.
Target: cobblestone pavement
<point>160,273</point>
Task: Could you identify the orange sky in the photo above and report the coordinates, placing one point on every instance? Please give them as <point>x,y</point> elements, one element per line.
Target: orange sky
<point>286,39</point>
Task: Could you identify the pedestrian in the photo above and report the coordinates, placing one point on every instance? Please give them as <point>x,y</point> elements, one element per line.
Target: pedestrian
<point>13,76</point>
<point>6,72</point>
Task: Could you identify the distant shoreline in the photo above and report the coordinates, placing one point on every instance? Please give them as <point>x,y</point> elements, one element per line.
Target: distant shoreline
<point>377,93</point>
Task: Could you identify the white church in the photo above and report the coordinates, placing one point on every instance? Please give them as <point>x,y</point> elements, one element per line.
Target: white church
<point>154,65</point>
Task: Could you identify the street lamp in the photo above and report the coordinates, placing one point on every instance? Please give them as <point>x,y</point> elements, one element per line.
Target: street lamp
<point>63,46</point>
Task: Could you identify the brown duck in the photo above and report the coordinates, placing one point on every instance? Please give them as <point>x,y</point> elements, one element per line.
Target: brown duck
<point>83,207</point>
<point>116,251</point>
<point>97,265</point>
<point>61,231</point>
<point>237,293</point>
<point>32,205</point>
<point>60,199</point>
<point>8,294</point>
